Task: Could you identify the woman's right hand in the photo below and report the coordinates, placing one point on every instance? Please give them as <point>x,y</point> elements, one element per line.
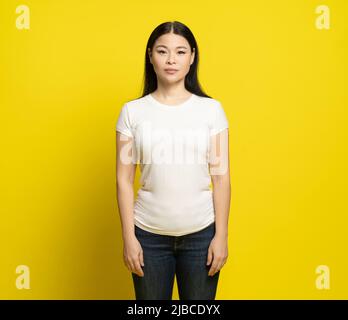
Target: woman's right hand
<point>133,255</point>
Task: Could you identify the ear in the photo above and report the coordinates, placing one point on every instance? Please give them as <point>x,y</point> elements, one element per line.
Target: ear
<point>150,54</point>
<point>192,56</point>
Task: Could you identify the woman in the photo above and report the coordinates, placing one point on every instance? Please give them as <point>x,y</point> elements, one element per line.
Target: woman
<point>177,224</point>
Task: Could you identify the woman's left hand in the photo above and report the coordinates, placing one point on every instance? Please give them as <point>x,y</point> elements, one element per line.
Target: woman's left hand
<point>218,253</point>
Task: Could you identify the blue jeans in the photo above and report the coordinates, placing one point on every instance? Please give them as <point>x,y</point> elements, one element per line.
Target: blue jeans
<point>184,256</point>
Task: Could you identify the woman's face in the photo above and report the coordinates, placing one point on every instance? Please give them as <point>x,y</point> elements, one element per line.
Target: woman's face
<point>171,51</point>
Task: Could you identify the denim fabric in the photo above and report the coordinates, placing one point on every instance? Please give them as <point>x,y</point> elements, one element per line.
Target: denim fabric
<point>184,256</point>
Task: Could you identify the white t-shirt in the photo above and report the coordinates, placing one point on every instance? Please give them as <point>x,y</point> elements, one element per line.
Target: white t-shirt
<point>172,145</point>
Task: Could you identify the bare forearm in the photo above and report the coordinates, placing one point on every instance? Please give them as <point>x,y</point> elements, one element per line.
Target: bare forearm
<point>125,199</point>
<point>222,200</point>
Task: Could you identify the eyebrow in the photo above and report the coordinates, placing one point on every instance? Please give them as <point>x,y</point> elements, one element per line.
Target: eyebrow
<point>161,45</point>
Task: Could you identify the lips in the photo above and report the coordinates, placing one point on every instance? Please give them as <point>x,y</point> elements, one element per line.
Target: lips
<point>170,71</point>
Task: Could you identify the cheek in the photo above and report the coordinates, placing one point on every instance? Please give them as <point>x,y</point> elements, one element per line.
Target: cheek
<point>158,60</point>
<point>185,66</point>
<point>186,61</point>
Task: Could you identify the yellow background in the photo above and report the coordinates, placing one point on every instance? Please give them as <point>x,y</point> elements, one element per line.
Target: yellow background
<point>283,85</point>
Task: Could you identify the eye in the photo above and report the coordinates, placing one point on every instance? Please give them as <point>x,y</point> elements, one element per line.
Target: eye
<point>161,51</point>
<point>182,52</point>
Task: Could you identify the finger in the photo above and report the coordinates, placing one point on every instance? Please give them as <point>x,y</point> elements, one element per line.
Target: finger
<point>210,256</point>
<point>128,266</point>
<point>220,265</point>
<point>131,265</point>
<point>218,268</point>
<point>138,269</point>
<point>142,259</point>
<point>214,267</point>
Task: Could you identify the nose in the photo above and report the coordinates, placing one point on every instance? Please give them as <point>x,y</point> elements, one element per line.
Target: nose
<point>171,58</point>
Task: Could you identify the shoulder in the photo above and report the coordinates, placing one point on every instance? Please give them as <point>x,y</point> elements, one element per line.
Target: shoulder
<point>209,103</point>
<point>135,103</point>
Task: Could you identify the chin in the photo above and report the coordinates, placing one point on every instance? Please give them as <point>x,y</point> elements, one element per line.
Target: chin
<point>171,78</point>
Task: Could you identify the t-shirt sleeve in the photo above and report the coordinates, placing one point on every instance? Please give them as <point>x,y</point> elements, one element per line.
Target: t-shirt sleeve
<point>220,121</point>
<point>123,124</point>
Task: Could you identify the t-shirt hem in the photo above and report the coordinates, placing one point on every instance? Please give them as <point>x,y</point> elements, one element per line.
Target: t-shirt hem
<point>216,131</point>
<point>125,133</point>
<point>166,233</point>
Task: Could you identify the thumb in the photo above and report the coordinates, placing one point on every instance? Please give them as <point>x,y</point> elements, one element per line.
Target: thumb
<point>210,256</point>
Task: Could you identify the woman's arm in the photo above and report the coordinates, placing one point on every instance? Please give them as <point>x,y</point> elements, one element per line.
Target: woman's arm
<point>125,173</point>
<point>220,175</point>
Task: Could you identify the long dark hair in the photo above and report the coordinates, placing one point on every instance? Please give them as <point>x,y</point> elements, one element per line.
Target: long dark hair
<point>191,79</point>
